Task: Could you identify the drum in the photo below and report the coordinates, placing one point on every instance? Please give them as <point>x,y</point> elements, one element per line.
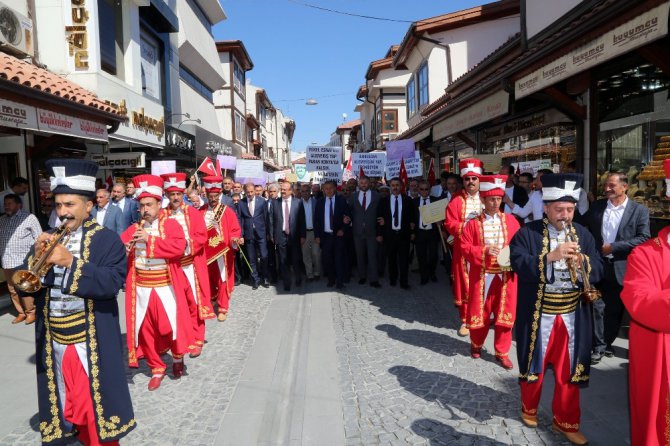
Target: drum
<point>504,260</point>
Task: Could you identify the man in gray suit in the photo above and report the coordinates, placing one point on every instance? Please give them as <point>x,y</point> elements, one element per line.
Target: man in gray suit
<point>311,252</point>
<point>127,205</point>
<point>363,205</point>
<point>111,217</point>
<point>618,225</point>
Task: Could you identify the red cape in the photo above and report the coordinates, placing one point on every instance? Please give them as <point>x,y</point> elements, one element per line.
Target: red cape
<point>170,245</point>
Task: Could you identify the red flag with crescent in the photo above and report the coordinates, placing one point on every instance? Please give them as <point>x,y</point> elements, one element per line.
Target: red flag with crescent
<point>207,167</point>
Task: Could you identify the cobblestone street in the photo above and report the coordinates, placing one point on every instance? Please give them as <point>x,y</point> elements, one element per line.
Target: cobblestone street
<point>361,367</point>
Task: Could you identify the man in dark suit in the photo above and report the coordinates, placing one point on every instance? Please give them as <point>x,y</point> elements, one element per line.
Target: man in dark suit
<point>427,237</point>
<point>618,225</point>
<point>107,215</point>
<point>363,207</point>
<point>127,205</point>
<point>513,192</point>
<point>329,227</point>
<point>396,230</point>
<point>273,194</point>
<point>254,219</point>
<point>287,228</point>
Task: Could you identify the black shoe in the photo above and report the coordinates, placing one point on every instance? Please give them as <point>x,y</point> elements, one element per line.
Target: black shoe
<point>330,284</point>
<point>362,281</point>
<point>298,282</point>
<point>317,278</point>
<point>287,287</point>
<point>392,283</point>
<point>375,284</point>
<point>433,278</point>
<point>339,286</point>
<point>405,286</point>
<point>609,351</point>
<point>255,286</point>
<point>596,357</point>
<point>265,283</point>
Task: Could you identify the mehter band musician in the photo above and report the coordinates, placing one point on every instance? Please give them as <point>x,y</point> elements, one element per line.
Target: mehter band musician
<point>193,260</point>
<point>224,237</point>
<point>493,285</point>
<point>157,315</point>
<point>646,294</point>
<point>75,274</point>
<point>556,261</point>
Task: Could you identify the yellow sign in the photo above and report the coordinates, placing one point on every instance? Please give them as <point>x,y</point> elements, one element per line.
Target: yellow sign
<point>291,178</point>
<point>434,212</point>
<point>148,124</point>
<point>78,34</point>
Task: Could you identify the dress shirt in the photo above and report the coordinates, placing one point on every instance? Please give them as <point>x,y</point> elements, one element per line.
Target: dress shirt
<point>100,217</point>
<point>393,220</point>
<point>611,221</point>
<point>533,210</point>
<point>307,204</point>
<point>368,197</point>
<point>252,206</point>
<point>119,204</point>
<point>17,235</point>
<point>330,204</point>
<point>286,215</point>
<point>493,234</point>
<point>424,202</point>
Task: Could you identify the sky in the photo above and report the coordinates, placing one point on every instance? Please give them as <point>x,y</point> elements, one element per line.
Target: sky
<point>300,52</point>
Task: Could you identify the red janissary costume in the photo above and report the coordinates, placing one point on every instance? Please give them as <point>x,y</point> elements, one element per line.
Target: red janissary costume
<point>461,209</point>
<point>646,294</point>
<point>193,260</point>
<point>492,290</point>
<point>220,250</point>
<point>157,316</point>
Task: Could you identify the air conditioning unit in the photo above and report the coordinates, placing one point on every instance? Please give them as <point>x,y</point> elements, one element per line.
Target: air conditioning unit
<point>16,32</point>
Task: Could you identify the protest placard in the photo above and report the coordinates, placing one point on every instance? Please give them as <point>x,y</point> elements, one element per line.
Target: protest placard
<point>249,169</point>
<point>413,165</point>
<point>163,166</point>
<point>434,212</point>
<point>397,150</point>
<point>373,163</point>
<point>227,162</point>
<point>325,159</point>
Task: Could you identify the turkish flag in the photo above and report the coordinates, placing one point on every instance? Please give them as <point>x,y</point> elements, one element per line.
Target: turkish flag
<point>207,167</point>
<point>110,182</point>
<point>361,174</point>
<point>431,172</point>
<point>218,168</point>
<point>403,174</point>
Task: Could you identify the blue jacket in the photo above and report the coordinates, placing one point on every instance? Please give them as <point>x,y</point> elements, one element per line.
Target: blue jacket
<point>131,213</point>
<point>113,221</point>
<point>341,209</point>
<point>254,227</point>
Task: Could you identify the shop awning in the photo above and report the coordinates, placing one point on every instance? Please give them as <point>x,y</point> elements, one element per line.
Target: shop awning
<point>488,108</point>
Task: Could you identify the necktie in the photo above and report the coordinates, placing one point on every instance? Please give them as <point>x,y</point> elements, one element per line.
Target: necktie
<point>395,213</point>
<point>365,196</point>
<point>422,223</point>
<point>330,212</point>
<point>287,216</point>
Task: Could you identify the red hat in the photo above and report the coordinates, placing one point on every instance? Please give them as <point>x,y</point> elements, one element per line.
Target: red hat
<point>212,183</point>
<point>174,182</point>
<point>492,185</point>
<point>148,186</point>
<point>666,167</point>
<point>471,167</point>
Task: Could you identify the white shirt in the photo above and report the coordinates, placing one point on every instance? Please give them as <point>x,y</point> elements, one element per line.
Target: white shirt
<point>368,197</point>
<point>493,235</point>
<point>309,222</point>
<point>611,221</point>
<point>424,202</point>
<point>286,216</point>
<point>393,202</point>
<point>533,210</point>
<point>100,217</point>
<point>120,204</point>
<point>509,191</point>
<point>326,214</point>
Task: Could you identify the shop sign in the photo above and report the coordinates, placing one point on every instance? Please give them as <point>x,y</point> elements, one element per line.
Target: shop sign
<point>491,107</point>
<point>643,29</point>
<point>219,147</point>
<point>143,125</point>
<point>128,160</point>
<point>52,122</point>
<point>180,140</point>
<point>148,124</point>
<point>77,34</point>
<point>13,114</point>
<point>523,125</point>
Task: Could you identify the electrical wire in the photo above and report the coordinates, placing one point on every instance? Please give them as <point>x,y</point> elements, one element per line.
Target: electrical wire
<point>313,97</point>
<point>351,14</point>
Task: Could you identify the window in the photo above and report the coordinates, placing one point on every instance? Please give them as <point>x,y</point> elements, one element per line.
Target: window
<point>240,130</point>
<point>110,22</point>
<point>238,78</point>
<point>389,121</point>
<point>196,83</point>
<point>422,84</point>
<point>151,67</point>
<point>411,97</point>
<point>262,114</point>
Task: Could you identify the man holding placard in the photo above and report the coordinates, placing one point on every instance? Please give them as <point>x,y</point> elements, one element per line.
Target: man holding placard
<point>427,236</point>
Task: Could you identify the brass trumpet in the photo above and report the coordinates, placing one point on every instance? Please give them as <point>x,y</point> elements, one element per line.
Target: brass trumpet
<point>30,280</point>
<point>589,294</point>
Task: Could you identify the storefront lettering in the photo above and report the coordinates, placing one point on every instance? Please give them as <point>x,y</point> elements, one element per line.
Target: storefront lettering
<point>588,55</point>
<point>150,125</point>
<point>554,71</point>
<point>13,112</point>
<point>52,121</point>
<point>634,33</point>
<point>78,34</point>
<point>516,126</point>
<point>181,142</point>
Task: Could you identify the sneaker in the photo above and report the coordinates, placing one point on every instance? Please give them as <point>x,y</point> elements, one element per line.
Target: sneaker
<point>609,351</point>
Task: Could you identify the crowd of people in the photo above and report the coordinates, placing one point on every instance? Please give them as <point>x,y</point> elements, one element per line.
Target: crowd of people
<point>526,253</point>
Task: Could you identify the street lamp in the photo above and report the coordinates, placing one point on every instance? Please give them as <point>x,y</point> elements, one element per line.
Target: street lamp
<point>311,101</point>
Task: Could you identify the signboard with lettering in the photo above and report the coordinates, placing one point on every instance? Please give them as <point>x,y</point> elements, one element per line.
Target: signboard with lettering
<point>397,150</point>
<point>179,140</point>
<point>637,32</point>
<point>490,107</point>
<point>128,160</point>
<point>13,114</point>
<point>373,163</point>
<point>434,212</point>
<point>325,160</point>
<point>249,169</point>
<point>77,31</point>
<point>413,166</point>
<point>163,166</point>
<point>52,122</point>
